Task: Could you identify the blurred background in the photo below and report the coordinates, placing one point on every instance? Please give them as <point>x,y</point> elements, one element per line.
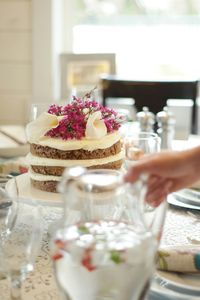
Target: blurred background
<point>155,39</point>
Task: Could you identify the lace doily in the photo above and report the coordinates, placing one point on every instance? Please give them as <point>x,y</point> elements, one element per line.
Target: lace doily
<point>181,227</point>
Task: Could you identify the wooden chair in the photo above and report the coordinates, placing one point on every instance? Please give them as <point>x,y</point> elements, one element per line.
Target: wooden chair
<point>153,94</point>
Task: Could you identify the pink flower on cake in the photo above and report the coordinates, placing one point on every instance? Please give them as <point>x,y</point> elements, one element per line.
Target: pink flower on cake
<point>55,109</point>
<point>83,118</point>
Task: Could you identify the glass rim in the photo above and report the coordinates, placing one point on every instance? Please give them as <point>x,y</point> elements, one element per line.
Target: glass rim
<point>113,177</point>
<point>143,135</point>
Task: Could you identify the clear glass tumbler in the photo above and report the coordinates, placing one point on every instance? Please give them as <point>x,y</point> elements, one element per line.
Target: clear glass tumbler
<point>20,244</point>
<point>137,145</point>
<point>140,143</point>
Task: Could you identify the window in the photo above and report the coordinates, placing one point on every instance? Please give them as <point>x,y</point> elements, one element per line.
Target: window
<point>151,39</point>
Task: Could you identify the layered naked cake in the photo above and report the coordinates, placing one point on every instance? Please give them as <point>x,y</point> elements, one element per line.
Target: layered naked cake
<point>82,133</point>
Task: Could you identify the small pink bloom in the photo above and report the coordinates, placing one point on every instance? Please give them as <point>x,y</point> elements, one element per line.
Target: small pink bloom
<point>76,114</point>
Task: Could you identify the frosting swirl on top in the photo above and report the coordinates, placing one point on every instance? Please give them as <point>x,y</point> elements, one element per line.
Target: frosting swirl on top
<point>95,127</point>
<point>37,129</point>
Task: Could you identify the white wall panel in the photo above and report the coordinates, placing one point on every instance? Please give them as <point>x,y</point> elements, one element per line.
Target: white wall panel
<point>15,109</point>
<point>15,60</point>
<point>15,46</point>
<point>15,15</point>
<point>15,78</point>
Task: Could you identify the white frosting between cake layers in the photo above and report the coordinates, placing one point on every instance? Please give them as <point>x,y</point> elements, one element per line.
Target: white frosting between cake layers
<point>43,161</point>
<point>41,177</point>
<point>85,144</point>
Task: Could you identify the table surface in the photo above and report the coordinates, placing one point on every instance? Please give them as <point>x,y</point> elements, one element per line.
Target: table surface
<point>181,227</point>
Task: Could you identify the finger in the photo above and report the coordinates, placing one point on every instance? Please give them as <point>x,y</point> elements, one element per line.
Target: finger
<point>156,196</point>
<point>152,180</point>
<point>159,199</point>
<point>136,170</point>
<point>156,199</point>
<point>155,182</point>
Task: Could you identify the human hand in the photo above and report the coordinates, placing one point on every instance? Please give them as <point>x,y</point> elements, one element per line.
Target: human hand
<point>168,172</point>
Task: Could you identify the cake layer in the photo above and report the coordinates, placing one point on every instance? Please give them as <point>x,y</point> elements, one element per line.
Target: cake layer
<point>49,186</point>
<point>81,154</point>
<point>57,171</point>
<point>86,144</point>
<point>49,183</point>
<point>42,161</point>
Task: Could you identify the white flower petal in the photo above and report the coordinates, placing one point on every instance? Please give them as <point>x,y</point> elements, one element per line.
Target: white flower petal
<point>37,128</point>
<point>95,127</point>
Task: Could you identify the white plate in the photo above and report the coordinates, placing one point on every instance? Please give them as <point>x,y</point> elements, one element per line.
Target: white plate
<point>186,281</point>
<point>21,186</point>
<point>176,285</point>
<point>160,292</point>
<point>188,196</point>
<point>178,202</point>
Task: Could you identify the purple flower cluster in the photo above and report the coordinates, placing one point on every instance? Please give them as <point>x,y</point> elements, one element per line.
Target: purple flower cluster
<point>75,116</point>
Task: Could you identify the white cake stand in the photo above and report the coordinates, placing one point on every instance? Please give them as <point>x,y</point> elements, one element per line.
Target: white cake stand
<point>20,186</point>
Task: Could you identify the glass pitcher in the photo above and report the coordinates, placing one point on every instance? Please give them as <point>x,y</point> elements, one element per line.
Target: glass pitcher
<point>104,251</point>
